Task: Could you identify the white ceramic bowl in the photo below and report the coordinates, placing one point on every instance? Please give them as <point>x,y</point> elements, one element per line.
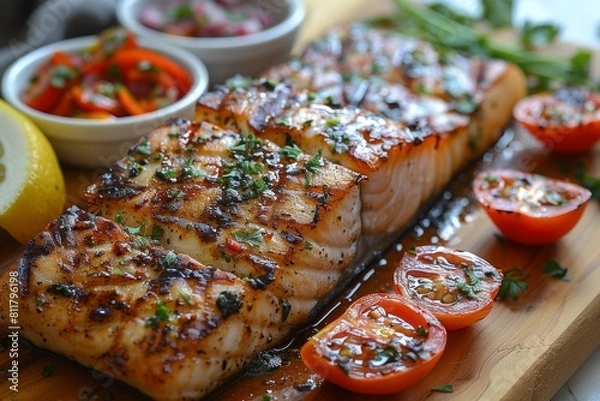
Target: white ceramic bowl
<point>226,56</point>
<point>98,143</point>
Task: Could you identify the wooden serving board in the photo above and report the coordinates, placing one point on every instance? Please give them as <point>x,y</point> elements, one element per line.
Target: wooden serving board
<point>524,350</point>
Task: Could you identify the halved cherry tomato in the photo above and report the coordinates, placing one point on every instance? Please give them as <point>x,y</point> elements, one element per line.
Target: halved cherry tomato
<point>566,121</point>
<point>382,344</point>
<point>458,287</point>
<point>529,208</point>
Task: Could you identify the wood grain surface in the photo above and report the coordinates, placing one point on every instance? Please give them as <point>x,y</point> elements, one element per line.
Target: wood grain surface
<point>524,350</point>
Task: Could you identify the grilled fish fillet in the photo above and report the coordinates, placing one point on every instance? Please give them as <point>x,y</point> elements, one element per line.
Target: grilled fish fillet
<point>404,162</point>
<point>155,319</point>
<point>284,221</point>
<point>379,104</point>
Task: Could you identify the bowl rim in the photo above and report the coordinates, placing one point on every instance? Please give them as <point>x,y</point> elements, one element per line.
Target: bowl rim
<point>294,18</point>
<point>11,93</point>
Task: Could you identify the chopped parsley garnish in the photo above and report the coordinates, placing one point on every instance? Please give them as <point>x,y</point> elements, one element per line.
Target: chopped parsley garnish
<point>332,122</point>
<point>174,194</point>
<point>291,151</point>
<point>128,229</point>
<point>512,284</point>
<point>161,314</point>
<point>187,298</point>
<point>313,165</point>
<point>190,171</point>
<point>554,269</point>
<point>169,260</point>
<point>308,245</point>
<point>144,147</point>
<point>443,388</point>
<point>244,177</point>
<point>61,75</point>
<point>64,289</point>
<point>422,332</point>
<point>157,233</point>
<point>253,238</point>
<point>283,121</point>
<point>166,174</point>
<point>385,356</point>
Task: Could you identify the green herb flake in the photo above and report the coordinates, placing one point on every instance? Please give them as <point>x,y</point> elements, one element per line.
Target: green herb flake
<point>422,331</point>
<point>253,238</point>
<point>166,174</point>
<point>313,165</point>
<point>157,233</point>
<point>555,269</point>
<point>333,122</point>
<point>189,171</point>
<point>144,147</point>
<point>161,314</point>
<point>513,284</point>
<point>61,75</point>
<point>128,229</point>
<point>285,121</point>
<point>187,298</point>
<point>169,260</point>
<point>443,388</point>
<point>308,245</point>
<point>291,151</point>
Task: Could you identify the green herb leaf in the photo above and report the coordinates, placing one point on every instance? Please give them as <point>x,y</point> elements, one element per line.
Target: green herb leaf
<point>157,233</point>
<point>498,13</point>
<point>253,238</point>
<point>144,147</point>
<point>291,151</point>
<point>313,165</point>
<point>589,181</point>
<point>161,314</point>
<point>187,298</point>
<point>580,66</point>
<point>443,388</point>
<point>538,35</point>
<point>512,284</point>
<point>554,269</point>
<point>169,260</point>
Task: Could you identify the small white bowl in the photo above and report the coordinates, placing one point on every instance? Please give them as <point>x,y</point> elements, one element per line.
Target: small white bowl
<point>226,56</point>
<point>98,143</point>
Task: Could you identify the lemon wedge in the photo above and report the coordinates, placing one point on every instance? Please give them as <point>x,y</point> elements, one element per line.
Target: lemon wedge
<point>32,186</point>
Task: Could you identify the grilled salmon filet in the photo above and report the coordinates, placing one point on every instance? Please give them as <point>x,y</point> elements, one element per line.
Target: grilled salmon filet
<point>153,318</point>
<point>284,221</point>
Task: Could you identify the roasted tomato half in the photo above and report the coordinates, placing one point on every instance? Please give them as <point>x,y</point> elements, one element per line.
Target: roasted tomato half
<point>528,208</point>
<point>458,287</point>
<point>566,121</point>
<point>382,344</point>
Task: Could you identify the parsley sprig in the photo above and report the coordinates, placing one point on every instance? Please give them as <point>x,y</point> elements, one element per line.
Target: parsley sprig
<point>554,269</point>
<point>513,284</point>
<point>449,34</point>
